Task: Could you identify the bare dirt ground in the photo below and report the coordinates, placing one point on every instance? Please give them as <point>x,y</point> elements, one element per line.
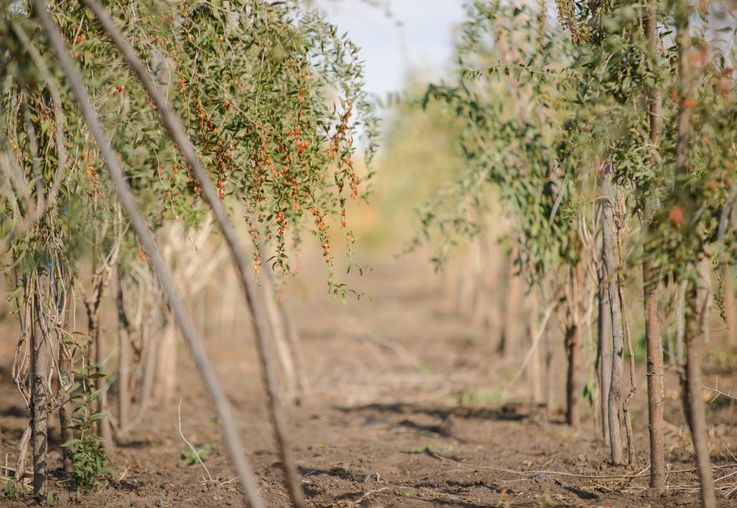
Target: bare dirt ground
<point>407,407</point>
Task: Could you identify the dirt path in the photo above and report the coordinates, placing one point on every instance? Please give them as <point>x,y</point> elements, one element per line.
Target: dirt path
<point>407,407</point>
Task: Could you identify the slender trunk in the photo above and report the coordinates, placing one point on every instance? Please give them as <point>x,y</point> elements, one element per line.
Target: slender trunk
<point>652,325</point>
<point>654,381</point>
<point>93,329</point>
<point>573,353</point>
<point>617,366</point>
<point>149,352</point>
<point>150,360</point>
<point>93,303</point>
<point>469,280</point>
<point>278,334</point>
<point>626,414</point>
<point>123,358</point>
<point>681,322</point>
<point>291,334</point>
<point>65,409</point>
<point>549,385</point>
<point>66,380</point>
<point>693,399</point>
<point>510,335</point>
<point>604,356</point>
<point>294,348</point>
<point>730,307</point>
<point>166,371</point>
<point>22,460</point>
<point>534,373</point>
<point>40,365</point>
<point>697,295</point>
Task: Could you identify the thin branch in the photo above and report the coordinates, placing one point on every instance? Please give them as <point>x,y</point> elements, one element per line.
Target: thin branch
<point>191,447</point>
<point>535,342</point>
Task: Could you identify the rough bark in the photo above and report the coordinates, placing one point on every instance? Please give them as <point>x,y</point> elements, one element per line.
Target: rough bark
<point>730,306</point>
<point>652,325</point>
<point>92,305</point>
<point>65,411</point>
<point>22,460</point>
<point>509,340</point>
<point>124,361</point>
<point>655,392</point>
<point>617,366</point>
<point>534,372</point>
<point>693,399</point>
<point>573,352</point>
<point>40,364</point>
<point>66,380</point>
<point>697,295</point>
<point>549,385</point>
<point>604,356</point>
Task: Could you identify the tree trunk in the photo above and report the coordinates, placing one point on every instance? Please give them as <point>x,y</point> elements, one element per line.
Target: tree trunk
<point>66,380</point>
<point>65,409</point>
<point>508,344</point>
<point>730,309</point>
<point>40,365</point>
<point>681,322</point>
<point>652,325</point>
<point>22,460</point>
<point>92,304</point>
<point>279,334</point>
<point>573,352</point>
<point>693,399</point>
<point>123,358</point>
<point>291,334</point>
<point>469,286</point>
<point>549,384</point>
<point>611,267</point>
<point>100,382</point>
<point>604,356</point>
<point>534,372</point>
<point>166,371</point>
<point>654,381</point>
<point>697,295</point>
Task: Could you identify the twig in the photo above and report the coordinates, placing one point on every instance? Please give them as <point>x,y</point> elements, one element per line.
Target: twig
<point>192,448</point>
<point>642,473</point>
<point>535,343</point>
<point>719,393</point>
<point>367,495</point>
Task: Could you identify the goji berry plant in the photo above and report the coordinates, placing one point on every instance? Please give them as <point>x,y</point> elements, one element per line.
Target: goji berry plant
<point>271,98</point>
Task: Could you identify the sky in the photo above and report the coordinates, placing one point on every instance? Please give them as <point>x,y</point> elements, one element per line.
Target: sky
<point>418,36</point>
